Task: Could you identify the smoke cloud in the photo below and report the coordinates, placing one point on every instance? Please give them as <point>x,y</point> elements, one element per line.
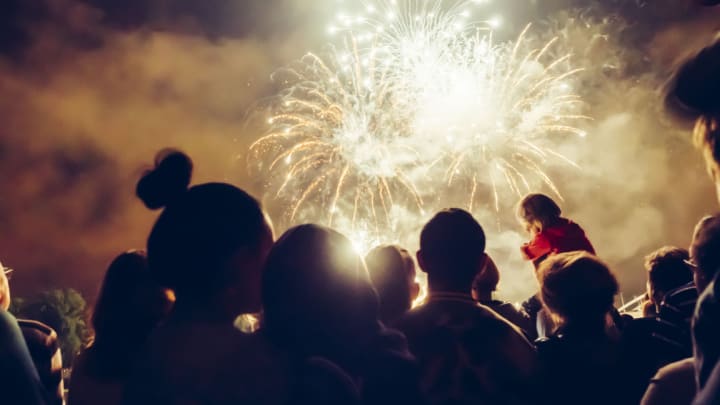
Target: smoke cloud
<point>94,91</point>
<point>83,110</point>
<point>640,185</point>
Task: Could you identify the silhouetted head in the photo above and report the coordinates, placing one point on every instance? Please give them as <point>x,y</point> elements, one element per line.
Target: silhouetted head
<point>694,89</point>
<point>537,212</point>
<point>316,291</point>
<point>130,304</point>
<point>577,288</point>
<point>694,93</point>
<point>486,281</point>
<point>392,272</point>
<point>667,270</point>
<point>210,242</point>
<point>452,250</point>
<point>705,251</point>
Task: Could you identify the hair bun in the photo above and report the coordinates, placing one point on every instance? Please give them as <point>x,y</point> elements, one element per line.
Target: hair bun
<point>167,181</point>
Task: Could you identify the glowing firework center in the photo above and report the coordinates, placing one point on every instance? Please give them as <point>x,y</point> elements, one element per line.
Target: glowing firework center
<point>413,103</point>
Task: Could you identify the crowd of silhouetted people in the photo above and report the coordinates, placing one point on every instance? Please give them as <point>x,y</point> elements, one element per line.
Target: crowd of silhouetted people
<point>337,328</point>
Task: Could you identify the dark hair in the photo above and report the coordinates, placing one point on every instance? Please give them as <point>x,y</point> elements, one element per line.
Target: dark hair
<point>577,287</point>
<point>129,306</point>
<point>487,279</point>
<point>705,247</point>
<point>694,90</point>
<point>316,291</point>
<point>694,93</point>
<point>199,230</point>
<point>667,269</point>
<point>167,181</point>
<point>388,268</point>
<point>538,209</point>
<point>452,245</point>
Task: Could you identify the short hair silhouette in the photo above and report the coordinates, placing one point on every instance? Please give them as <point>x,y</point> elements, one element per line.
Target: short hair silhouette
<point>392,272</point>
<point>452,245</point>
<point>668,269</point>
<point>487,280</point>
<point>200,228</point>
<point>577,287</point>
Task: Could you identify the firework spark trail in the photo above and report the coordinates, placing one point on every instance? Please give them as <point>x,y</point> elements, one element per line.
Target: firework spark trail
<point>416,91</point>
<point>338,128</point>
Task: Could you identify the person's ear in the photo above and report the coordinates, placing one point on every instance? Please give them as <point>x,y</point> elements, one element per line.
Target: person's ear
<point>483,262</point>
<point>421,261</point>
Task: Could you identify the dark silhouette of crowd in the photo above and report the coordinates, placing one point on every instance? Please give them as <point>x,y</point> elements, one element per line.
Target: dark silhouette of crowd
<point>338,328</point>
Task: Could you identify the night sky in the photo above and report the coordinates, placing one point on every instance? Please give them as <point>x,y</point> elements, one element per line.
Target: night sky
<point>90,90</point>
<point>242,18</point>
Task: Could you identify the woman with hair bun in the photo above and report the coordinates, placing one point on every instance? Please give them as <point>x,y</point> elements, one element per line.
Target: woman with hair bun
<point>209,243</point>
<point>208,246</point>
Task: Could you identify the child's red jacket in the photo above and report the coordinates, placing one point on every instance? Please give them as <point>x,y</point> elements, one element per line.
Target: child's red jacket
<point>566,236</point>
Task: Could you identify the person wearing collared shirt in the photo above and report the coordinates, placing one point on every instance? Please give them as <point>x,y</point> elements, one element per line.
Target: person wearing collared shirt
<point>467,353</point>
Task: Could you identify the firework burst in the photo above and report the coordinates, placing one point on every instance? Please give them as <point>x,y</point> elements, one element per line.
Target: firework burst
<point>416,91</point>
<point>340,139</point>
<point>498,111</point>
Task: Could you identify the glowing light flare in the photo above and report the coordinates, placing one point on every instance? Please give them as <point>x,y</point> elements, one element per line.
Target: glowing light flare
<point>363,241</point>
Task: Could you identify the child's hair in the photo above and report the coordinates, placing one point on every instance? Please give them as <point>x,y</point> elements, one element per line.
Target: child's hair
<point>538,211</point>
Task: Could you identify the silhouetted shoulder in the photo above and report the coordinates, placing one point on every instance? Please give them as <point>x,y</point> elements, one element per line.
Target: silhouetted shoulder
<point>457,315</point>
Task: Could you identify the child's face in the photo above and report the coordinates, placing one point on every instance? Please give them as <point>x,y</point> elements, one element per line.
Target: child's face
<point>532,229</point>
